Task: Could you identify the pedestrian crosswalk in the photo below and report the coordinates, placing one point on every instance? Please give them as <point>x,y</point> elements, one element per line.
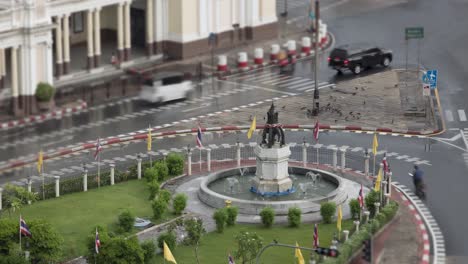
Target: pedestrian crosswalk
<point>282,81</point>
<point>281,5</point>
<point>455,116</point>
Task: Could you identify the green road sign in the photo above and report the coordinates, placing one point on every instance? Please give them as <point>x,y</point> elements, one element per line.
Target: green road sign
<point>414,33</point>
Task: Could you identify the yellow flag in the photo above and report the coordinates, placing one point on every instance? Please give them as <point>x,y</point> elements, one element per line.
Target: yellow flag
<point>340,216</point>
<point>40,160</point>
<point>168,254</point>
<point>252,128</point>
<point>378,181</point>
<point>150,139</point>
<point>298,255</point>
<point>375,144</point>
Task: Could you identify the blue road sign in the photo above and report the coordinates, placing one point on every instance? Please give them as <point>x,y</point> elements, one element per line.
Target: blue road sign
<point>431,78</point>
<point>312,15</point>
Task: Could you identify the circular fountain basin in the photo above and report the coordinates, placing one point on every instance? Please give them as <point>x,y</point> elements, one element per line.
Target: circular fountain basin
<point>229,184</point>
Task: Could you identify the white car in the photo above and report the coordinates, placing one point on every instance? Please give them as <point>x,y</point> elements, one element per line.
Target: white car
<point>166,86</point>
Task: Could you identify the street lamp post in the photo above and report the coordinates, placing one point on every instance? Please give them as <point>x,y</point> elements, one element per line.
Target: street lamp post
<point>316,104</point>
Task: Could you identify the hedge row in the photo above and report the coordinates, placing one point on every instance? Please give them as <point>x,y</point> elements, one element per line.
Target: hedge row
<point>354,243</point>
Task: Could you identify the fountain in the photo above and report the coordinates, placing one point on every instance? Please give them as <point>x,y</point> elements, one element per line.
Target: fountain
<point>272,182</point>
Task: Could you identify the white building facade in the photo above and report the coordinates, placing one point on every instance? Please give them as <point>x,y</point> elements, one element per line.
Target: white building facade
<point>46,40</point>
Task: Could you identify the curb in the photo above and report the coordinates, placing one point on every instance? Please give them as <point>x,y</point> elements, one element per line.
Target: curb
<point>18,163</point>
<point>42,117</point>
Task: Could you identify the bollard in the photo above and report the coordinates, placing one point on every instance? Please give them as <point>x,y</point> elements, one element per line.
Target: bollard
<point>85,180</point>
<point>139,168</point>
<point>238,154</point>
<point>242,61</point>
<point>189,162</point>
<point>29,188</point>
<point>275,49</point>
<point>366,165</point>
<point>346,235</point>
<point>1,193</point>
<point>343,159</point>
<point>383,192</point>
<point>208,159</point>
<point>335,158</point>
<point>356,225</point>
<point>389,179</point>
<point>366,216</point>
<point>304,155</point>
<point>57,186</point>
<point>377,207</point>
<point>306,45</point>
<point>387,198</point>
<point>323,32</point>
<point>112,174</point>
<point>222,63</point>
<point>291,47</point>
<point>258,59</point>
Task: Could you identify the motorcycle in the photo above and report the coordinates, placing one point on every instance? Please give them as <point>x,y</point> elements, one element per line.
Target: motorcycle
<point>287,63</point>
<point>420,190</point>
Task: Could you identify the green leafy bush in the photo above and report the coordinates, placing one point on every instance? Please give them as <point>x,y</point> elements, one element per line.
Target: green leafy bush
<point>248,246</point>
<point>220,217</point>
<point>162,169</point>
<point>294,217</point>
<point>232,213</point>
<point>159,208</point>
<point>149,250</point>
<point>165,195</point>
<point>327,211</point>
<point>126,220</point>
<point>179,203</point>
<point>150,174</point>
<point>175,164</point>
<point>370,199</point>
<point>44,92</point>
<point>169,238</point>
<point>194,228</point>
<point>153,189</point>
<point>268,216</point>
<point>355,208</point>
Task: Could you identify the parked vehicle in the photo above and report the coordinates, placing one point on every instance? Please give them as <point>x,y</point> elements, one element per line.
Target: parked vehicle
<point>141,223</point>
<point>357,57</point>
<point>166,86</point>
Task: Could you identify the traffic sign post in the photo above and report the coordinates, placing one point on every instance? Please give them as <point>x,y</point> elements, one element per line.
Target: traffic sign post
<point>414,33</point>
<point>430,77</point>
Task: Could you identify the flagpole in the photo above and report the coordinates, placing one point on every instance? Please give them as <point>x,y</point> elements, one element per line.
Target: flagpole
<point>43,184</point>
<point>99,170</point>
<point>150,145</point>
<point>20,233</point>
<point>374,163</point>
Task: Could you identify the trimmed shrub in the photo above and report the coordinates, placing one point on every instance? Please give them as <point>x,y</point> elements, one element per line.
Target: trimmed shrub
<point>126,220</point>
<point>194,228</point>
<point>231,215</point>
<point>268,216</point>
<point>370,199</point>
<point>44,92</point>
<point>179,203</point>
<point>175,164</point>
<point>153,189</point>
<point>169,238</point>
<point>220,217</point>
<point>294,217</point>
<point>355,208</point>
<point>327,211</point>
<point>149,250</point>
<point>159,208</point>
<point>165,195</point>
<point>162,170</point>
<point>150,174</point>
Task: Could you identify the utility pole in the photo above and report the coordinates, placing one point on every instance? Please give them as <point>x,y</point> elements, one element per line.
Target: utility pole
<point>285,12</point>
<point>316,104</point>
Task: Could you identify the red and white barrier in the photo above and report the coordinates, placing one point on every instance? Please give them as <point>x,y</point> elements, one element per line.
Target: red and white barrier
<point>258,59</point>
<point>306,46</point>
<point>222,63</point>
<point>275,49</point>
<point>291,47</point>
<point>323,33</point>
<point>242,61</point>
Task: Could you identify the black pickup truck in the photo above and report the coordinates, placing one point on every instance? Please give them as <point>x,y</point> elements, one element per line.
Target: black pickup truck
<point>358,57</point>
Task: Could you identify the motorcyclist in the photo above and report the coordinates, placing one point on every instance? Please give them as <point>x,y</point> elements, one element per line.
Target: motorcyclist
<point>418,178</point>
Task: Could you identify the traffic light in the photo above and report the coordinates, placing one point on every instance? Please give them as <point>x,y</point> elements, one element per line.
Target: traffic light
<point>367,250</point>
<point>327,252</point>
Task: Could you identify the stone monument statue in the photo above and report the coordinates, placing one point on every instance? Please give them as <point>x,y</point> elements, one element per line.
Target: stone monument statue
<point>273,131</point>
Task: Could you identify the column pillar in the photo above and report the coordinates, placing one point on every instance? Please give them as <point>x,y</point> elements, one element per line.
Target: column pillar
<point>366,165</point>
<point>149,27</point>
<point>112,174</point>
<point>346,235</point>
<point>343,159</point>
<point>85,180</point>
<point>128,37</point>
<point>356,225</point>
<point>66,44</point>
<point>304,155</point>
<point>377,207</point>
<point>389,186</point>
<point>57,186</point>
<point>120,33</point>
<point>58,48</point>
<point>208,159</point>
<point>238,154</point>
<point>14,79</point>
<point>189,163</point>
<point>29,188</point>
<point>97,37</point>
<point>89,31</point>
<point>366,216</point>
<point>139,168</point>
<point>335,158</point>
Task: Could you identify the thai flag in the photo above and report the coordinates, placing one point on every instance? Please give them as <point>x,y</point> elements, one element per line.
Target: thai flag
<point>231,260</point>
<point>98,149</point>
<point>386,168</point>
<point>97,242</point>
<point>361,198</point>
<point>316,236</point>
<point>316,131</point>
<point>199,137</point>
<point>24,229</point>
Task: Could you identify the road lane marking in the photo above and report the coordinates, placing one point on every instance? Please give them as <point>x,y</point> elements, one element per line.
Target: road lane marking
<point>259,87</point>
<point>462,115</point>
<point>449,115</point>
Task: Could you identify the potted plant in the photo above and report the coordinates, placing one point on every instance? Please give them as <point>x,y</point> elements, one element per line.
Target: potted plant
<point>44,95</point>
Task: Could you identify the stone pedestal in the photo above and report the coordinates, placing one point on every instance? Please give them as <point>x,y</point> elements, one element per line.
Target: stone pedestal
<point>272,178</point>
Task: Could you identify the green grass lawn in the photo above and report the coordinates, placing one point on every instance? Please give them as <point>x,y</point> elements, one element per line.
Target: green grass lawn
<point>74,216</point>
<point>215,247</point>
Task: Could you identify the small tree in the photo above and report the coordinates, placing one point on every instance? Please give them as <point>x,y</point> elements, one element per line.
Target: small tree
<point>169,238</point>
<point>294,217</point>
<point>220,217</point>
<point>175,164</point>
<point>268,216</point>
<point>44,92</point>
<point>159,208</point>
<point>179,203</point>
<point>165,195</point>
<point>327,210</point>
<point>126,221</point>
<point>150,174</point>
<point>45,245</point>
<point>248,246</point>
<point>119,250</point>
<point>232,212</point>
<point>149,250</point>
<point>14,197</point>
<point>370,199</point>
<point>162,169</point>
<point>355,208</point>
<point>153,187</point>
<point>194,228</point>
